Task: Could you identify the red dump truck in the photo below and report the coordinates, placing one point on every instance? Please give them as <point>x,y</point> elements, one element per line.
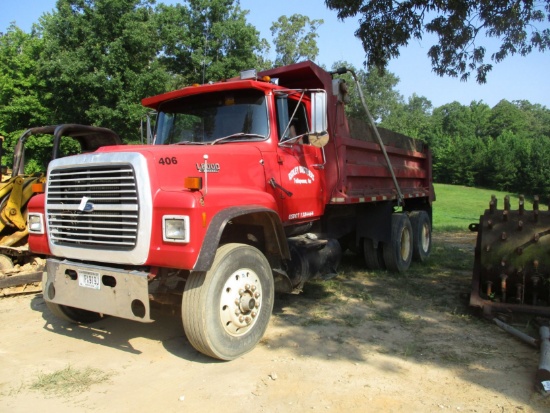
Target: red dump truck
<point>251,186</point>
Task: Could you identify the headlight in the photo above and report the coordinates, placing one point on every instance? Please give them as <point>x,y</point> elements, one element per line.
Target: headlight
<point>175,228</point>
<point>35,223</point>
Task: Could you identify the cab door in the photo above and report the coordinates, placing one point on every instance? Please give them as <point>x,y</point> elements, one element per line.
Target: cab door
<point>300,164</point>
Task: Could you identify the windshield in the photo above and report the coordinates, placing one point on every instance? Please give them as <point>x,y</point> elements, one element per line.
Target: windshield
<point>213,117</point>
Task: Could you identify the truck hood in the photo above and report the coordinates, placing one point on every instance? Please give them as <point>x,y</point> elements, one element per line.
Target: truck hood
<point>224,165</point>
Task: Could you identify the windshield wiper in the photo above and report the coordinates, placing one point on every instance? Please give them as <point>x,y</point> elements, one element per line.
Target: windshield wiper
<point>189,143</point>
<point>237,135</point>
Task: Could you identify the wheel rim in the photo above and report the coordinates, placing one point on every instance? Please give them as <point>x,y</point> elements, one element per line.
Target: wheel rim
<point>405,244</point>
<point>241,302</point>
<point>425,234</point>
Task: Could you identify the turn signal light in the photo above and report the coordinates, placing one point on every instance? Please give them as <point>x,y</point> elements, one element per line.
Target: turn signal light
<point>193,183</point>
<point>38,188</point>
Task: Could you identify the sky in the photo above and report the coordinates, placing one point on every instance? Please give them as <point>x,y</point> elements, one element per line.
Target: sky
<point>516,78</point>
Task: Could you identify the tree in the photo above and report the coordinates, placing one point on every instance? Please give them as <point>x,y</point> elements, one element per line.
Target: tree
<point>385,26</point>
<point>536,116</point>
<point>21,91</point>
<point>378,89</point>
<point>20,98</point>
<point>457,159</point>
<point>207,40</point>
<point>507,117</point>
<point>537,172</point>
<point>456,119</point>
<point>99,61</point>
<point>412,118</point>
<point>293,40</point>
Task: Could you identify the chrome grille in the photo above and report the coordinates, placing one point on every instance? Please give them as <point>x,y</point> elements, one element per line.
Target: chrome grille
<point>93,207</point>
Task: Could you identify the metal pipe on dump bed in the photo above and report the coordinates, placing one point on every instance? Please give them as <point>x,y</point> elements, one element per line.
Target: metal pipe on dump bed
<point>380,142</point>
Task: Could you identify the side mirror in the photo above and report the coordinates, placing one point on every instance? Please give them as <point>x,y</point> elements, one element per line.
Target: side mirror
<point>318,135</point>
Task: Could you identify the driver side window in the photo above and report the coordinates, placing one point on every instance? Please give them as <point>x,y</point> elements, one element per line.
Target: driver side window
<point>298,123</point>
<point>292,119</point>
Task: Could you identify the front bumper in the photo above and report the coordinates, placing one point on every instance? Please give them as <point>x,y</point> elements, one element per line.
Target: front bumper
<point>109,291</point>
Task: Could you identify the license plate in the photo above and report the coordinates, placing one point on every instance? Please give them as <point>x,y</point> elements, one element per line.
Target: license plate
<point>89,279</point>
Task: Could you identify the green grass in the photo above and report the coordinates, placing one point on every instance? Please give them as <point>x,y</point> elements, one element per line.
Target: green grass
<point>456,207</point>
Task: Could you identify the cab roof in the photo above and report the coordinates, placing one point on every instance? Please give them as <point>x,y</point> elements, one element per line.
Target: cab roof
<point>304,75</point>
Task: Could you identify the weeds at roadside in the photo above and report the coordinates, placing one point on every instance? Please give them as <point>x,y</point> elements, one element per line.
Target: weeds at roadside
<point>69,380</point>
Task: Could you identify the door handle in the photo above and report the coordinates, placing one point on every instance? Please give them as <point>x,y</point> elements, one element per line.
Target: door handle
<point>274,184</point>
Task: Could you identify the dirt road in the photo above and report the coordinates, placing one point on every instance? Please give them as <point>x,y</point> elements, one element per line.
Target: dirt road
<point>362,343</point>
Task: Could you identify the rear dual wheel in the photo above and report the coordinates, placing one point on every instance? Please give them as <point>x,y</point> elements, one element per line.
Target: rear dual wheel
<point>226,310</point>
<point>398,252</point>
<point>374,259</point>
<point>422,235</point>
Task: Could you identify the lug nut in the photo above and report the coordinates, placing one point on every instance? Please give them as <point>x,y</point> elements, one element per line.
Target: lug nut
<point>241,291</point>
<point>247,287</point>
<point>241,319</point>
<point>253,314</point>
<point>253,288</point>
<point>256,294</point>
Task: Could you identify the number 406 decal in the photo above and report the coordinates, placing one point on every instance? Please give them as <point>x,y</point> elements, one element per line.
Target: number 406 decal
<point>168,161</point>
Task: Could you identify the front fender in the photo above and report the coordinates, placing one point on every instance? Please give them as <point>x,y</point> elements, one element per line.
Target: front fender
<point>267,218</point>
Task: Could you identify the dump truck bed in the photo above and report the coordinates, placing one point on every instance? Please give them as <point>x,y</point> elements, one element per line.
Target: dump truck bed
<point>361,173</point>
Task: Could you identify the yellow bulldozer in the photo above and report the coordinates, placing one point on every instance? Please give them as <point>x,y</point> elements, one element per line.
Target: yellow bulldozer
<point>20,270</point>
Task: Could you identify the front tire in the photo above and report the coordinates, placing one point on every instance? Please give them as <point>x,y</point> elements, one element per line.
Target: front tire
<point>226,310</point>
<point>74,315</point>
<point>398,252</point>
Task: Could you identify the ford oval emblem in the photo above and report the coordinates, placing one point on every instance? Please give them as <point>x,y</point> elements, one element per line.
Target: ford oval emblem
<point>85,205</point>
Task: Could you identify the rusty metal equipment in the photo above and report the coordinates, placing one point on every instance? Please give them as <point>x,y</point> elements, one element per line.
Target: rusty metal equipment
<point>512,260</point>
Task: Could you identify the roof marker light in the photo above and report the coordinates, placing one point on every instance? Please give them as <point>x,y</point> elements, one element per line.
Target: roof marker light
<point>249,74</point>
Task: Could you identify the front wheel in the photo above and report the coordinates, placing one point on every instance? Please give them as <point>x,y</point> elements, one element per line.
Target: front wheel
<point>398,252</point>
<point>226,310</point>
<point>74,315</point>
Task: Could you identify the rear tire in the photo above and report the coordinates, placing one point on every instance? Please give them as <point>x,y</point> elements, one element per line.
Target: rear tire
<point>74,315</point>
<point>5,264</point>
<point>422,235</point>
<point>398,252</point>
<point>373,256</point>
<point>226,310</point>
